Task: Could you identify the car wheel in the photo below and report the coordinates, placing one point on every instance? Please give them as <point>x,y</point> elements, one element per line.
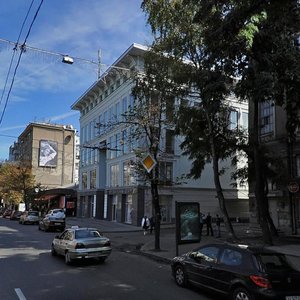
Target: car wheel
<point>68,259</point>
<point>53,252</point>
<point>180,276</point>
<point>241,294</point>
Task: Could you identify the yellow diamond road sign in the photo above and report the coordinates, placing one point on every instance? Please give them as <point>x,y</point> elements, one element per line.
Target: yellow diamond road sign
<point>148,162</point>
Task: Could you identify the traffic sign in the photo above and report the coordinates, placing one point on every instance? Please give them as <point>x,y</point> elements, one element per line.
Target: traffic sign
<point>149,162</point>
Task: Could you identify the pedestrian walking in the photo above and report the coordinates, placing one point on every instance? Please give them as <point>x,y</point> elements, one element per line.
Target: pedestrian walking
<point>145,224</point>
<point>152,224</point>
<point>202,221</point>
<point>208,222</point>
<point>218,224</point>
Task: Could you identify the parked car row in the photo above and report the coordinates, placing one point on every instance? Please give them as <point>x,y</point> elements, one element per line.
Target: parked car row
<point>54,220</point>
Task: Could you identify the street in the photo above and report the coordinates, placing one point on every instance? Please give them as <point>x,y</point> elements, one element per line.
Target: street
<point>29,272</point>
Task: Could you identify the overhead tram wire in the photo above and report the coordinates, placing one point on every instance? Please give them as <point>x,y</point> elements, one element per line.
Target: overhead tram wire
<point>14,51</point>
<point>23,47</point>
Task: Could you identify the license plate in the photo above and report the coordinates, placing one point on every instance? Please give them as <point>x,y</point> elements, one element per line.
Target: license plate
<point>57,224</point>
<point>292,297</point>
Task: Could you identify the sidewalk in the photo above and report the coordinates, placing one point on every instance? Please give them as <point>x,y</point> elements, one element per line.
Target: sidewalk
<point>130,238</point>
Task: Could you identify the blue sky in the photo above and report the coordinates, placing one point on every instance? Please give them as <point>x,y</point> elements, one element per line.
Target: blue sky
<point>45,88</point>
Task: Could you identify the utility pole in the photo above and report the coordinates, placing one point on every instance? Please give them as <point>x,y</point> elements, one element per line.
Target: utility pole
<point>99,63</point>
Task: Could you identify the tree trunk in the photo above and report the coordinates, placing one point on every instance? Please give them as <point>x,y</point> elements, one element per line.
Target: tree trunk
<point>219,190</point>
<point>262,211</point>
<point>271,225</point>
<point>155,203</point>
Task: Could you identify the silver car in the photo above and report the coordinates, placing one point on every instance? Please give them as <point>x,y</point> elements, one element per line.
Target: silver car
<point>81,243</point>
<point>29,217</point>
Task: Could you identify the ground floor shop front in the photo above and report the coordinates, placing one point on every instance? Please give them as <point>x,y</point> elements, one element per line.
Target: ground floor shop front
<point>131,204</point>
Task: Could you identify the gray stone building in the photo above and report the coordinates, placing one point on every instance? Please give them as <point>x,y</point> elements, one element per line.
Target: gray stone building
<point>107,187</point>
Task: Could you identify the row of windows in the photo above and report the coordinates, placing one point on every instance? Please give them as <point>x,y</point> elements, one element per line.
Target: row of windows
<point>121,143</point>
<point>123,174</point>
<point>111,117</point>
<point>128,177</point>
<point>117,145</point>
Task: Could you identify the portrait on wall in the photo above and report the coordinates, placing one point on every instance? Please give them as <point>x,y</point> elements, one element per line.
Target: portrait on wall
<point>187,222</point>
<point>48,153</point>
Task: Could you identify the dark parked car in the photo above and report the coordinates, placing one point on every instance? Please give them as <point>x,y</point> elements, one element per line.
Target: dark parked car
<point>16,214</point>
<point>7,213</point>
<point>239,271</point>
<point>52,223</point>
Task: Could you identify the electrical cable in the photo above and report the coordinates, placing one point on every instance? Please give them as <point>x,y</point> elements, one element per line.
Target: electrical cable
<point>15,49</point>
<point>23,47</point>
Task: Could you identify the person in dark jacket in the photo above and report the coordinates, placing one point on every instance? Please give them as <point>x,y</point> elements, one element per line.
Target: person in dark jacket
<point>152,224</point>
<point>218,224</point>
<point>208,221</point>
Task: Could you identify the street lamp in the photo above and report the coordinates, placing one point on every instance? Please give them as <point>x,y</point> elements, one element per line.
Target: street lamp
<point>68,60</point>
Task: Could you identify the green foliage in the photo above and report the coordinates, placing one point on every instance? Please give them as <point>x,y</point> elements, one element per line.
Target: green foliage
<point>16,183</point>
<point>183,39</point>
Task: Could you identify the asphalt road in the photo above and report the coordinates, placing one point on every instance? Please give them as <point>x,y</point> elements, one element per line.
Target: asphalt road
<point>29,272</point>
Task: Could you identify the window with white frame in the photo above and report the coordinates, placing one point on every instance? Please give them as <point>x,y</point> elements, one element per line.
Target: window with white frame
<point>169,146</point>
<point>234,118</point>
<point>114,175</point>
<point>112,146</point>
<point>93,179</point>
<point>111,117</point>
<point>118,144</point>
<point>166,172</point>
<point>124,107</point>
<point>84,180</point>
<point>245,120</point>
<point>100,125</point>
<point>117,112</point>
<point>105,121</point>
<point>131,102</point>
<point>266,117</point>
<point>128,175</point>
<point>124,142</point>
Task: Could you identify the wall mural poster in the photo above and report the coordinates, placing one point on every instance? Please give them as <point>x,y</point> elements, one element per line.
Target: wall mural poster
<point>188,222</point>
<point>48,153</point>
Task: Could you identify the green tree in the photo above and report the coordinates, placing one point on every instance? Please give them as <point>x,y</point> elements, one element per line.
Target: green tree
<point>255,39</point>
<point>151,116</point>
<point>17,183</point>
<point>206,125</point>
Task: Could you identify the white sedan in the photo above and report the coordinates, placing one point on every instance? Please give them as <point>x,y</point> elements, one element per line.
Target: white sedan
<point>81,243</point>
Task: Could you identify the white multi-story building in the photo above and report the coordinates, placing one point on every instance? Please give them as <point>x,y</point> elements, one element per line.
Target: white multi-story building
<point>107,189</point>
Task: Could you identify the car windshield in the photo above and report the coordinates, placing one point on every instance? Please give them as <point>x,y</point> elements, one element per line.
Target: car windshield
<point>274,262</point>
<point>80,234</point>
<point>33,213</point>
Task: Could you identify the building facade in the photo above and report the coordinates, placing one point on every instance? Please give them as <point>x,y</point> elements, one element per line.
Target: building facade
<point>50,151</point>
<point>283,191</point>
<point>107,187</point>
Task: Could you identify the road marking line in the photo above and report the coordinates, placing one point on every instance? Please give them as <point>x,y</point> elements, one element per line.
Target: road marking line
<point>20,294</point>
